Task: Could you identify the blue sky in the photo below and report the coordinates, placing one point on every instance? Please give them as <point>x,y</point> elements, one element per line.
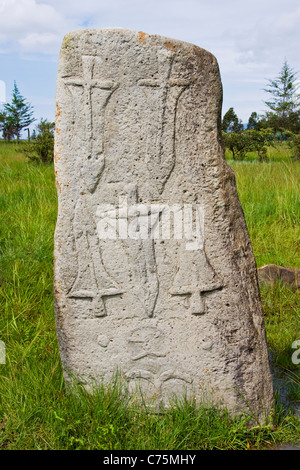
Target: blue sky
<point>250,39</point>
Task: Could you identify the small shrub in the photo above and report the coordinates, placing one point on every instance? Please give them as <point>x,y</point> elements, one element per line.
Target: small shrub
<point>296,147</point>
<point>41,149</point>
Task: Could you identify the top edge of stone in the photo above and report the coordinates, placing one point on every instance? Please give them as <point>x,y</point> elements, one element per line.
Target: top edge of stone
<point>141,36</point>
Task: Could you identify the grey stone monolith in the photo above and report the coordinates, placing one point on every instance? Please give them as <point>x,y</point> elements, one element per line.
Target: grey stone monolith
<point>155,276</point>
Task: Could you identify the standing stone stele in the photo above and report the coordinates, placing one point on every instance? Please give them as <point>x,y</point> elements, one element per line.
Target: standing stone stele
<point>154,271</point>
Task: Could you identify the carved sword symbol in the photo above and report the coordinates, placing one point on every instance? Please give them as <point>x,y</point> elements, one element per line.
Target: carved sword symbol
<point>92,281</point>
<point>161,157</point>
<point>133,226</point>
<point>93,144</point>
<point>195,277</point>
<point>142,255</point>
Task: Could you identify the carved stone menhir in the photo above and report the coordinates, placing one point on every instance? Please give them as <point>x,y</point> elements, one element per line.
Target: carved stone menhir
<point>144,285</point>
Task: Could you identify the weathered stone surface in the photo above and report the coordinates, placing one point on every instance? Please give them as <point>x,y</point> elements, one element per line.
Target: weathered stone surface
<point>138,134</point>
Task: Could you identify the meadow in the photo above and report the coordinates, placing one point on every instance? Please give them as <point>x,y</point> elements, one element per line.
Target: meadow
<point>36,410</point>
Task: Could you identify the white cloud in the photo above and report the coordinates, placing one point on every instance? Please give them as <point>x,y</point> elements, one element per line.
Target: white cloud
<point>270,34</point>
<point>249,39</point>
<point>28,25</point>
<point>39,42</point>
<point>254,31</point>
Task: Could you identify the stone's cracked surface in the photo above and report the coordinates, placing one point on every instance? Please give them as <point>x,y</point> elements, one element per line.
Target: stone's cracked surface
<point>138,120</point>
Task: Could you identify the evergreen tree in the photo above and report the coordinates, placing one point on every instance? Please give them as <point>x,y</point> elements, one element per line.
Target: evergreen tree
<point>19,113</point>
<point>284,111</point>
<point>6,126</point>
<point>253,121</point>
<point>231,123</point>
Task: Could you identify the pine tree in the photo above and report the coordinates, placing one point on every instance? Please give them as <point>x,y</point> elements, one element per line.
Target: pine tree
<point>230,122</point>
<point>19,113</point>
<point>253,121</point>
<point>284,111</point>
<point>6,126</point>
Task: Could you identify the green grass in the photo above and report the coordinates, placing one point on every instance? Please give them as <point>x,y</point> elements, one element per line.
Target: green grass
<point>270,196</point>
<point>36,410</point>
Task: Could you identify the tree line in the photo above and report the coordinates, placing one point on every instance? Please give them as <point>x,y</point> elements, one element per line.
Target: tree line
<point>18,116</point>
<point>280,122</point>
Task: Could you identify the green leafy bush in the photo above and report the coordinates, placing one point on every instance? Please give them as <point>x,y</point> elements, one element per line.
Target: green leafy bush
<point>250,140</point>
<point>296,147</point>
<point>41,149</point>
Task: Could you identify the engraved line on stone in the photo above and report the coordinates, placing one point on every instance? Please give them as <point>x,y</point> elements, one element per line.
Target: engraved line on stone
<point>151,354</point>
<point>158,380</point>
<point>91,172</point>
<point>142,255</point>
<point>146,341</point>
<point>90,259</point>
<point>166,142</point>
<point>195,277</point>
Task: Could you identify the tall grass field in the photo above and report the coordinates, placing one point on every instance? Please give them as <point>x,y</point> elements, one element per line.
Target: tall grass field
<point>37,412</point>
